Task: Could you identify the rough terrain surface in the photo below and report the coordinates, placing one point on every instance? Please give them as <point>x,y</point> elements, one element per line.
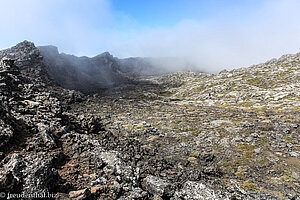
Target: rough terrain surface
<point>232,135</point>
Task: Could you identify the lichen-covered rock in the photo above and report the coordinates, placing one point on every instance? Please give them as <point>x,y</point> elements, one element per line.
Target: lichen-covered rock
<point>158,186</point>
<point>11,176</point>
<point>195,191</point>
<point>6,133</point>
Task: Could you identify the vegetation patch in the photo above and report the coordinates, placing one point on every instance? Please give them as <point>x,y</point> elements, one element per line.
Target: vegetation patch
<point>249,185</point>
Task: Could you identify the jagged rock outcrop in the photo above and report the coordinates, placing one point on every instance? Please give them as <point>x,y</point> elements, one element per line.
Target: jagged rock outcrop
<point>25,105</point>
<point>28,58</point>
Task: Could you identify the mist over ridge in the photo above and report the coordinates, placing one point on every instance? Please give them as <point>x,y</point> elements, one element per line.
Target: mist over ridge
<point>82,73</point>
<point>89,74</point>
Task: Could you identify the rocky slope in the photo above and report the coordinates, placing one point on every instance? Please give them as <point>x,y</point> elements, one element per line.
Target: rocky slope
<point>233,135</point>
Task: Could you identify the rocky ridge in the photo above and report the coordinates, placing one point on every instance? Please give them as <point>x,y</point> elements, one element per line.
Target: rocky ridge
<point>178,136</point>
<point>88,75</point>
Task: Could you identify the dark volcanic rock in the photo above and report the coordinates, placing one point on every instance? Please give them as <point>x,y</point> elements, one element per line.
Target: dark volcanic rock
<point>28,59</point>
<point>25,55</point>
<point>6,131</point>
<point>30,111</point>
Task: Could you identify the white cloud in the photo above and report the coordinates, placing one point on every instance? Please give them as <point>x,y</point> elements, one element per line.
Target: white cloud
<point>71,25</point>
<point>221,43</point>
<point>91,26</point>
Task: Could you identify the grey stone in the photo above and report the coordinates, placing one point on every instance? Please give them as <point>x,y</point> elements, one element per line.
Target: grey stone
<point>195,191</point>
<point>158,186</point>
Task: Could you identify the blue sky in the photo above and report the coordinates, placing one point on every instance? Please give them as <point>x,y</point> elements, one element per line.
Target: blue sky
<point>156,13</point>
<point>213,34</point>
